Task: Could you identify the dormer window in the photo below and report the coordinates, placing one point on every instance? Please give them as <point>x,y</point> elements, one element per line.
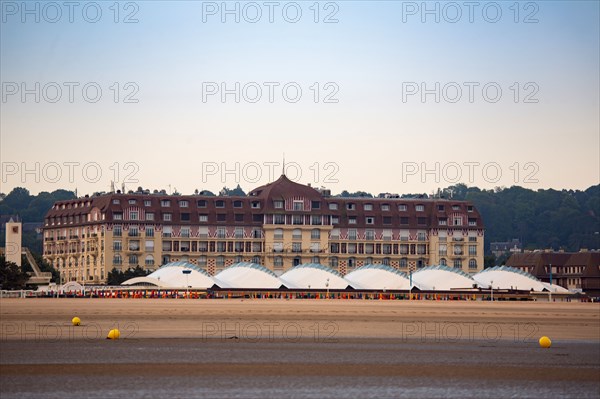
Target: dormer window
<point>278,204</point>
<point>298,205</point>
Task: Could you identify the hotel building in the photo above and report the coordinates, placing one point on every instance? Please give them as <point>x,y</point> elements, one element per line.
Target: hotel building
<point>278,225</point>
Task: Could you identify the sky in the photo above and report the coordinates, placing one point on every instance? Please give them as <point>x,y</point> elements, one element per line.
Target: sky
<point>377,96</point>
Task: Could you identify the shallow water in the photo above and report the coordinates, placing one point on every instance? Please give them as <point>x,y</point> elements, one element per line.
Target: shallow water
<point>229,368</point>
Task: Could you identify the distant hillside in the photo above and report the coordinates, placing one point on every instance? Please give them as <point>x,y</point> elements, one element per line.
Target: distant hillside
<point>565,219</point>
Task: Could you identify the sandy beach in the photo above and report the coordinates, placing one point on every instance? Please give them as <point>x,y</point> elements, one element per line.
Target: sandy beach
<point>297,348</point>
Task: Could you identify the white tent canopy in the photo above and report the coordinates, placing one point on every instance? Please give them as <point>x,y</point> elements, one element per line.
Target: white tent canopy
<point>442,278</point>
<point>378,277</point>
<point>247,275</point>
<point>504,277</point>
<point>313,276</point>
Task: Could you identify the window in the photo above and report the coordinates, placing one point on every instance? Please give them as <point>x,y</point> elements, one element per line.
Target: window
<point>118,216</point>
<point>278,204</point>
<point>297,234</point>
<point>315,247</point>
<point>239,232</point>
<point>149,231</point>
<point>470,208</point>
<point>351,262</point>
<point>149,216</point>
<point>370,235</point>
<point>421,221</point>
<point>279,219</point>
<point>298,219</point>
<point>296,247</point>
<point>440,208</point>
<point>220,204</point>
<point>133,215</point>
<point>385,207</point>
<point>456,207</point>
<point>352,234</point>
<point>472,249</point>
<point>370,220</point>
<point>333,206</point>
<point>402,208</point>
<point>149,261</point>
<point>167,231</point>
<point>133,231</point>
<point>117,230</point>
<point>220,261</point>
<point>237,204</point>
<point>185,232</point>
<point>315,234</point>
<point>203,246</point>
<point>404,220</point>
<point>335,234</point>
<point>315,204</point>
<point>443,262</point>
<point>403,263</point>
<point>221,246</point>
<point>387,249</point>
<point>117,260</point>
<point>316,259</point>
<point>184,204</point>
<point>133,260</point>
<point>298,205</point>
<point>165,203</point>
<point>255,204</point>
<point>335,220</point>
<point>421,236</point>
<point>351,219</point>
<point>278,261</point>
<point>167,217</point>
<point>278,234</point>
<point>368,207</point>
<point>443,222</point>
<point>277,247</point>
<point>458,263</point>
<point>351,206</point>
<point>472,239</point>
<point>149,245</point>
<point>134,245</point>
<point>131,202</point>
<point>185,217</point>
<point>202,261</point>
<point>203,218</point>
<point>458,221</point>
<point>221,217</point>
<point>386,261</point>
<point>201,203</point>
<point>443,249</point>
<point>315,220</point>
<point>334,248</point>
<point>419,208</point>
<point>220,232</point>
<point>387,220</point>
<point>421,249</point>
<point>117,246</point>
<point>239,217</point>
<point>458,250</point>
<point>333,262</point>
<point>387,235</point>
<point>114,201</point>
<point>472,264</point>
<point>472,222</point>
<point>147,203</point>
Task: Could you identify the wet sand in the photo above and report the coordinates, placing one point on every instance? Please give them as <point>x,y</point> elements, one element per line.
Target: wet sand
<point>297,348</point>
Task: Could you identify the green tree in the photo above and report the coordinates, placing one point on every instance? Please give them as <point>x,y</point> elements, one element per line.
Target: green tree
<point>12,277</point>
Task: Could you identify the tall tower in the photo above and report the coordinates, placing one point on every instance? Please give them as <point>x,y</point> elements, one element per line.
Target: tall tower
<point>13,241</point>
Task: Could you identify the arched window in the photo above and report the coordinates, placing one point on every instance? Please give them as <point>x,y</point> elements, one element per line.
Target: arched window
<point>443,262</point>
<point>386,261</point>
<point>403,263</point>
<point>297,234</point>
<point>333,262</point>
<point>149,261</point>
<point>315,259</point>
<point>237,259</point>
<point>351,262</point>
<point>278,261</point>
<point>297,261</point>
<point>278,234</point>
<point>256,259</point>
<point>472,264</point>
<point>369,261</point>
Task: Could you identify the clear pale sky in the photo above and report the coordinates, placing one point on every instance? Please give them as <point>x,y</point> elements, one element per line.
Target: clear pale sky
<point>377,137</point>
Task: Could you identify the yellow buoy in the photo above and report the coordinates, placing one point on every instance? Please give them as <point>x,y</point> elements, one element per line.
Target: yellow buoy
<point>76,321</point>
<point>545,342</point>
<point>114,334</point>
